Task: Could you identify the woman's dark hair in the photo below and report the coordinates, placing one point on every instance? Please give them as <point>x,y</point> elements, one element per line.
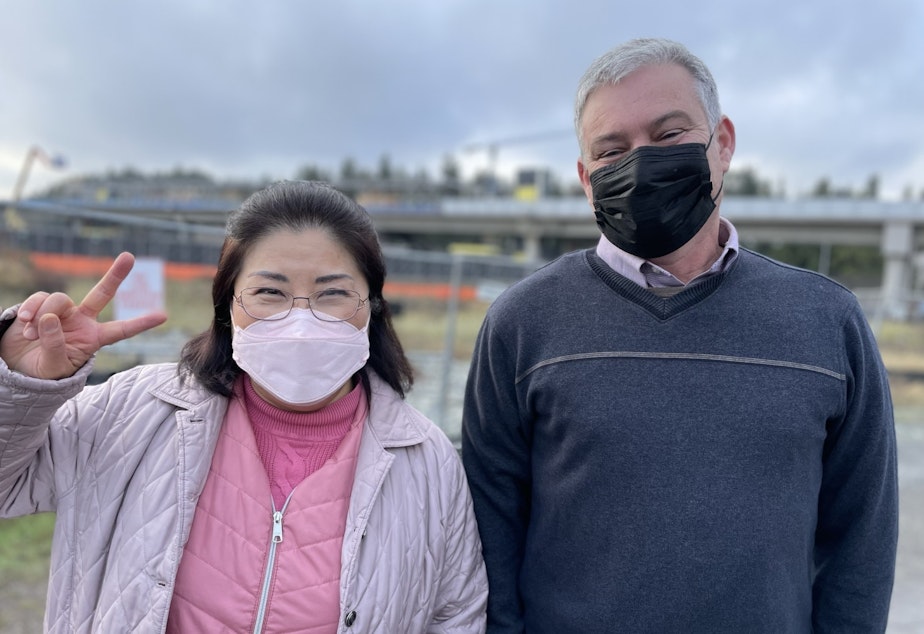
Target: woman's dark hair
<point>296,206</point>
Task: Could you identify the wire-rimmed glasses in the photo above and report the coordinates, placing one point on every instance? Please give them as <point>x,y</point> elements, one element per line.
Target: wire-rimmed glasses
<point>271,304</point>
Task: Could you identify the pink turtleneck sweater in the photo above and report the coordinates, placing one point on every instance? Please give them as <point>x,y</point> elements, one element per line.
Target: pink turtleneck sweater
<point>293,445</point>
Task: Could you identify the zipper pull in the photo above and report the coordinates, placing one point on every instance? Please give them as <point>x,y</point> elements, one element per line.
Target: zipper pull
<point>277,527</point>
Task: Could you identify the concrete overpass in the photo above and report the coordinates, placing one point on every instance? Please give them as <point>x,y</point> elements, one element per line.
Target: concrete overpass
<point>897,228</point>
<point>544,228</point>
<point>806,221</point>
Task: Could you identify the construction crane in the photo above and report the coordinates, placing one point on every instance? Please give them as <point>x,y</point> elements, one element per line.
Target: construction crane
<point>12,218</point>
<point>493,147</point>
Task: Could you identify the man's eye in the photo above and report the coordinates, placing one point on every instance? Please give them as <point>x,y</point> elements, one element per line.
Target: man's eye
<point>610,154</point>
<point>671,134</point>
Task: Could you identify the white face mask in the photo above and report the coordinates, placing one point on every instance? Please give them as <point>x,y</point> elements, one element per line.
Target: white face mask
<point>300,359</point>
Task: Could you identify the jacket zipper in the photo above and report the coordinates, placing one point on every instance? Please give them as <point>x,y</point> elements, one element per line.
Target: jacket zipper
<point>270,565</point>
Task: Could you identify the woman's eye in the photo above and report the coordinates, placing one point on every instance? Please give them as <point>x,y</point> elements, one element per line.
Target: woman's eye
<point>332,292</point>
<point>268,292</point>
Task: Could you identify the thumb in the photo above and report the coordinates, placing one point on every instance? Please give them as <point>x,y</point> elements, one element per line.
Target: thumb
<point>54,363</point>
<point>51,336</point>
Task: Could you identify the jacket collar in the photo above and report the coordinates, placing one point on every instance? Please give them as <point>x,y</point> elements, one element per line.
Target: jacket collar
<point>391,419</point>
<point>187,393</point>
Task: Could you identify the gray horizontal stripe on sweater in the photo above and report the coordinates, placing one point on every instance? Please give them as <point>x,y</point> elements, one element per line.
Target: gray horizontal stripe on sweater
<point>684,356</point>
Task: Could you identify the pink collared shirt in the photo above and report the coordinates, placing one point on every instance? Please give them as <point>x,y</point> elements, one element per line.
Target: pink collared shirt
<point>649,275</point>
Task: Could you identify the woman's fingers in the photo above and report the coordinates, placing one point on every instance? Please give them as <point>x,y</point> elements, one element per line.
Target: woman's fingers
<point>54,336</point>
<point>93,303</point>
<point>54,346</point>
<point>39,305</point>
<point>58,335</point>
<point>113,331</point>
<point>28,308</point>
<point>101,294</point>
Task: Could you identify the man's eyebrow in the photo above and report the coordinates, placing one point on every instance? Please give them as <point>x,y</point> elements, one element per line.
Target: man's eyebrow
<point>682,115</point>
<point>607,139</point>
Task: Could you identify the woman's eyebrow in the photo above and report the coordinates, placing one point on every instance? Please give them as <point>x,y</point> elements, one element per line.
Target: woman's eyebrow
<point>279,277</point>
<point>270,275</point>
<point>332,277</point>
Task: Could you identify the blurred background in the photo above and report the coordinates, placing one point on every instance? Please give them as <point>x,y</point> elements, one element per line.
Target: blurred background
<point>129,127</point>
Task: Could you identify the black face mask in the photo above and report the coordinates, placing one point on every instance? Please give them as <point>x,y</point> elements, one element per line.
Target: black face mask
<point>654,200</point>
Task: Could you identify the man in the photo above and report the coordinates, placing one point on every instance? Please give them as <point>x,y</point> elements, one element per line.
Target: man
<point>668,432</point>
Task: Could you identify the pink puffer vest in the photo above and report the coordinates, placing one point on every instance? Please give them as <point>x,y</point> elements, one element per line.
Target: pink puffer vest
<point>245,565</point>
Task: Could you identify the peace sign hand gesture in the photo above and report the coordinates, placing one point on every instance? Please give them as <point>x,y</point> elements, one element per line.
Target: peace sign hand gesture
<point>52,337</point>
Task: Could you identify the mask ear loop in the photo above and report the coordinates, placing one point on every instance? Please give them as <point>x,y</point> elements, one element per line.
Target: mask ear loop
<point>722,184</point>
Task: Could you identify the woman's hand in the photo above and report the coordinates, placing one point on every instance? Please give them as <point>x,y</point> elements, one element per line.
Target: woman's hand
<point>53,337</point>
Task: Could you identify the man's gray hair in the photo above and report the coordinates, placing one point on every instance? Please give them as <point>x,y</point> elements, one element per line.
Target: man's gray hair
<point>627,58</point>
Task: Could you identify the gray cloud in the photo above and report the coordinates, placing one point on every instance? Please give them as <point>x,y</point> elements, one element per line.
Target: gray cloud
<point>822,89</point>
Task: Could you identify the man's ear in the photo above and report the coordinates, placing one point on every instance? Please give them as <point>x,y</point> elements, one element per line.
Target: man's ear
<point>725,138</point>
<point>584,175</point>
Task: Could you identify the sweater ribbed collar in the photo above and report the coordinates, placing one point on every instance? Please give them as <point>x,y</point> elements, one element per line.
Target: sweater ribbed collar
<point>328,423</point>
<point>660,307</point>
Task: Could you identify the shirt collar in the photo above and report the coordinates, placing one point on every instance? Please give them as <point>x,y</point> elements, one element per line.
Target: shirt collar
<point>646,274</point>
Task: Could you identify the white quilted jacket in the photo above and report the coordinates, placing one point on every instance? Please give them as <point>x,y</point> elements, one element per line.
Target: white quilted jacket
<point>123,464</point>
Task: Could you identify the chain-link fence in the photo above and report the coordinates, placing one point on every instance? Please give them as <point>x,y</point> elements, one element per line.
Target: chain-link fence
<point>438,299</point>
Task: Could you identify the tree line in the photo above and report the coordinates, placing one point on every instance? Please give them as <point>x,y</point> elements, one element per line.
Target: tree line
<point>385,177</point>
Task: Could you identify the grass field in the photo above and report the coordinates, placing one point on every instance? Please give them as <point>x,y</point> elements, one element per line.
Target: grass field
<point>25,546</point>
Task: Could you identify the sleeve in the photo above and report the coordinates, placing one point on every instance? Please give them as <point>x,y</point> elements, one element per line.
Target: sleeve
<point>496,456</point>
<point>27,452</point>
<point>7,317</point>
<point>857,532</point>
<point>463,591</point>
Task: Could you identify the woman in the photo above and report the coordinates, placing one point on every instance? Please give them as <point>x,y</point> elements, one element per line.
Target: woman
<point>272,481</point>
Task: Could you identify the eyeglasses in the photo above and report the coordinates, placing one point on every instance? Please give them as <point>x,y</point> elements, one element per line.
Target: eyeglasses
<point>271,304</point>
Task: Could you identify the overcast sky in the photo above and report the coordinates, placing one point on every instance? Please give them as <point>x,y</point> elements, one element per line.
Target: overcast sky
<point>252,90</point>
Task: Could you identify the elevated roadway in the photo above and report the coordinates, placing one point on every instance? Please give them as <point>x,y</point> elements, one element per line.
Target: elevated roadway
<point>897,228</point>
<point>544,228</point>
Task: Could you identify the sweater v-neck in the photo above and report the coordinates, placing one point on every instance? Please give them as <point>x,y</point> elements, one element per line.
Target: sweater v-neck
<point>660,307</point>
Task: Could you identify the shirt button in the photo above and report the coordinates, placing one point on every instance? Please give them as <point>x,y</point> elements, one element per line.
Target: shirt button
<point>350,618</point>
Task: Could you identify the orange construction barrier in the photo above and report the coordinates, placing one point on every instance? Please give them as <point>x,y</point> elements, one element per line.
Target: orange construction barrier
<point>94,266</point>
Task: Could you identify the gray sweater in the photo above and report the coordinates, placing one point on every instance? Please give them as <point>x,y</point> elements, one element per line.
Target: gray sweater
<point>722,460</point>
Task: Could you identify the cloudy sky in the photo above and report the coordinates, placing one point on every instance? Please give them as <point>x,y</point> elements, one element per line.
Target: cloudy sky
<point>252,90</point>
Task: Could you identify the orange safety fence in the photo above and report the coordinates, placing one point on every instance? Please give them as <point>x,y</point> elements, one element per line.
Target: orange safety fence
<point>92,266</point>
<point>430,290</point>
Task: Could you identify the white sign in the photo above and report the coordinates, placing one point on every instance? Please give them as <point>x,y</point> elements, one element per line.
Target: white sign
<point>142,292</point>
<point>489,290</point>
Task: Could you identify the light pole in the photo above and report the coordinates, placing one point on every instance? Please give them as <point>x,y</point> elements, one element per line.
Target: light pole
<point>13,221</point>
